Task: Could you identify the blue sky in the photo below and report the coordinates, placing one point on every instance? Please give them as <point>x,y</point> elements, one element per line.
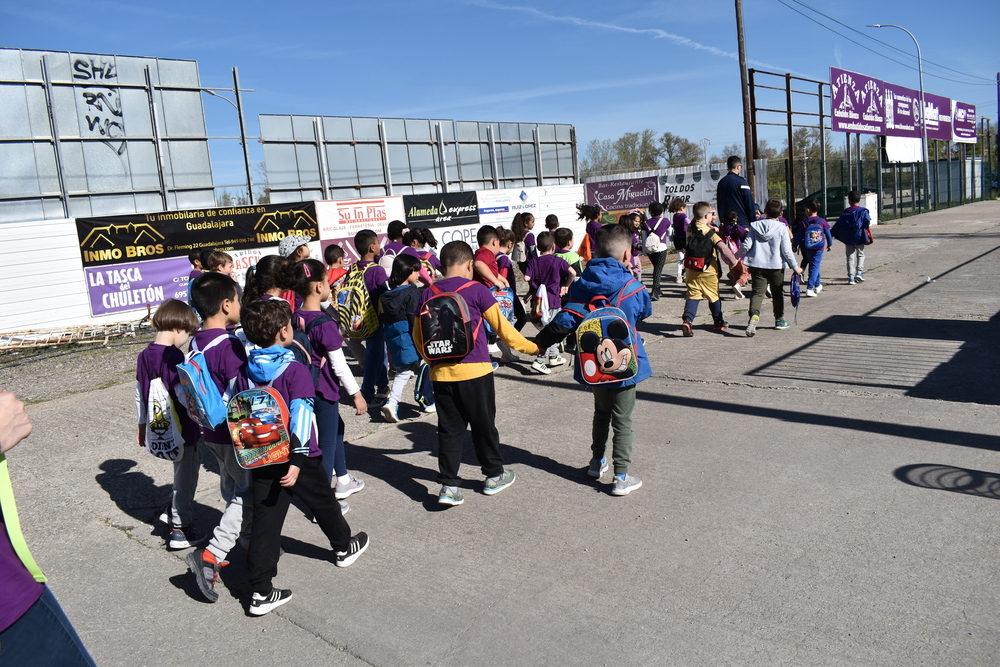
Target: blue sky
<point>606,68</point>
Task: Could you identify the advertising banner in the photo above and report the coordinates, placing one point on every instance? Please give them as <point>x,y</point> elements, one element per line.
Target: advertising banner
<point>622,195</point>
<point>963,122</point>
<point>498,207</point>
<point>857,102</point>
<point>133,285</point>
<point>901,107</point>
<point>446,209</point>
<point>692,187</point>
<point>938,114</point>
<point>130,238</point>
<point>339,221</point>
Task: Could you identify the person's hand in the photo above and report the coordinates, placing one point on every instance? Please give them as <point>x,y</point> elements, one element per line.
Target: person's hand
<point>563,290</point>
<point>360,404</point>
<point>290,477</point>
<point>798,270</point>
<point>15,425</point>
<point>539,352</point>
<point>140,435</point>
<point>502,282</point>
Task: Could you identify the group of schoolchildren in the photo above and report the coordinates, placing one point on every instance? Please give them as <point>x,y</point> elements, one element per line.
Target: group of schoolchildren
<point>252,338</point>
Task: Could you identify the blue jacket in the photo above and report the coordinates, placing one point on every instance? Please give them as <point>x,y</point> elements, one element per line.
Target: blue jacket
<point>602,277</point>
<point>851,225</point>
<point>733,194</point>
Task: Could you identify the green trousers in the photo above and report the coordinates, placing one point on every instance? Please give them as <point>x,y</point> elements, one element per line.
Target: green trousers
<point>613,410</point>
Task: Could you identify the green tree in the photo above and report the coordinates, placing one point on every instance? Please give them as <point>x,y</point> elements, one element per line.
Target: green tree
<point>638,151</point>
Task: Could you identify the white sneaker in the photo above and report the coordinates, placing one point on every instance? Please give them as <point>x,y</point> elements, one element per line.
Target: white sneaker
<point>819,288</point>
<point>540,366</point>
<point>493,349</point>
<point>810,292</point>
<point>430,409</point>
<point>556,361</point>
<point>391,412</point>
<point>738,291</point>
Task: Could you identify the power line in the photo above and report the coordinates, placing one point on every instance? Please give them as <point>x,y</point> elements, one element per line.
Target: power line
<point>894,48</point>
<point>878,53</point>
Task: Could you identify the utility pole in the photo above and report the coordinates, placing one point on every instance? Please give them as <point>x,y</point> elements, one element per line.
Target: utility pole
<point>705,143</point>
<point>748,166</point>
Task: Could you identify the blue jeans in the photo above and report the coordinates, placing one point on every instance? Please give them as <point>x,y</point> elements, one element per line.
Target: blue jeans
<point>815,258</point>
<point>691,310</point>
<point>376,364</point>
<point>331,437</point>
<point>43,636</point>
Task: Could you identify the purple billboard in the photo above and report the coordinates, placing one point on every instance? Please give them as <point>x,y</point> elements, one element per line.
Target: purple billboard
<point>857,103</point>
<point>866,105</point>
<point>125,287</point>
<point>624,194</point>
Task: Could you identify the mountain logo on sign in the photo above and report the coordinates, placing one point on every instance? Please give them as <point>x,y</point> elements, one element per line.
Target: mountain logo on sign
<point>144,232</point>
<point>291,219</point>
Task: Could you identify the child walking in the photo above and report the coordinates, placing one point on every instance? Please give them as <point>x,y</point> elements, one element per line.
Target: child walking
<point>705,247</point>
<point>679,226</point>
<point>851,229</point>
<point>397,312</point>
<point>335,377</point>
<point>268,325</point>
<point>732,235</point>
<point>555,275</point>
<point>522,225</point>
<point>608,275</point>
<point>375,382</point>
<point>174,322</point>
<point>814,239</point>
<point>213,295</point>
<point>464,392</point>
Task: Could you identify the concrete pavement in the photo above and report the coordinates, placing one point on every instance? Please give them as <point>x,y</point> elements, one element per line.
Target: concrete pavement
<point>821,495</point>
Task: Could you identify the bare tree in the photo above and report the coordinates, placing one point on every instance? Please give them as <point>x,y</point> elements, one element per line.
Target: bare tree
<point>638,151</point>
<point>678,151</point>
<point>262,191</point>
<point>601,158</point>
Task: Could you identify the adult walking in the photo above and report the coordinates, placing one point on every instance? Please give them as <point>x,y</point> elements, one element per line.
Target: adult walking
<point>851,229</point>
<point>659,225</point>
<point>768,251</point>
<point>734,194</point>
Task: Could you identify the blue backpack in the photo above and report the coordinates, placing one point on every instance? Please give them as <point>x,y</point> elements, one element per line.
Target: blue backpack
<point>204,403</point>
<point>814,238</point>
<point>605,339</point>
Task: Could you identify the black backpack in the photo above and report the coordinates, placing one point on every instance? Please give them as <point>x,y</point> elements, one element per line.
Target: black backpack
<point>301,346</point>
<point>699,249</point>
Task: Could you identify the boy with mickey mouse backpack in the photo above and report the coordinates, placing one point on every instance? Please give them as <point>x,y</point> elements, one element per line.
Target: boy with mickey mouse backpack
<point>603,307</point>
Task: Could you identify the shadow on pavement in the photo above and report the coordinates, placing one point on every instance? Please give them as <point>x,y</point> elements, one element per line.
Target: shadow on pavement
<point>949,478</point>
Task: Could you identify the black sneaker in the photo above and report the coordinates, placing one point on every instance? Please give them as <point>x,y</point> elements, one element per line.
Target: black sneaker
<point>720,326</point>
<point>356,547</point>
<point>261,604</point>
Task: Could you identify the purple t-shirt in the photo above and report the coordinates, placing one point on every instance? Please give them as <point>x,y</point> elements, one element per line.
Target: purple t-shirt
<point>592,228</point>
<point>393,248</point>
<point>194,274</point>
<point>549,270</point>
<point>430,258</point>
<point>325,338</point>
<point>18,589</point>
<point>297,382</point>
<point>530,249</point>
<point>224,363</point>
<point>375,280</point>
<point>506,267</point>
<point>479,300</point>
<point>659,226</point>
<point>160,361</point>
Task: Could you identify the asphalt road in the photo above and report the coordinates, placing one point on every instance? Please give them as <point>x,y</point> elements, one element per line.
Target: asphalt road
<point>816,496</point>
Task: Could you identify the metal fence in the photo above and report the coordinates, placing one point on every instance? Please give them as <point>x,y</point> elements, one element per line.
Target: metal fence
<point>332,157</point>
<point>88,134</point>
<point>899,186</point>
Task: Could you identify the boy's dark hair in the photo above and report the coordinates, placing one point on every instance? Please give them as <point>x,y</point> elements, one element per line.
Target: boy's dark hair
<point>403,267</point>
<point>655,209</point>
<point>216,260</point>
<point>486,234</point>
<point>364,240</point>
<point>731,217</point>
<point>269,272</point>
<point>332,253</point>
<point>701,209</point>
<point>612,240</point>
<point>305,272</point>
<point>563,237</point>
<point>194,256</point>
<point>173,315</point>
<point>811,204</point>
<point>552,222</point>
<point>676,204</point>
<point>733,162</point>
<point>854,197</point>
<point>773,208</point>
<point>263,319</point>
<point>203,256</point>
<point>395,230</point>
<point>209,290</point>
<point>455,252</point>
<point>587,212</point>
<point>544,242</point>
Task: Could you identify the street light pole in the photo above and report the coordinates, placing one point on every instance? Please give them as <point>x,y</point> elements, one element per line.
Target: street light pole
<point>923,108</point>
<point>705,143</point>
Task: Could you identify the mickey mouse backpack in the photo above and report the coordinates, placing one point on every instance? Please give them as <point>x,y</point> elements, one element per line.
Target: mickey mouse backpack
<point>605,340</point>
